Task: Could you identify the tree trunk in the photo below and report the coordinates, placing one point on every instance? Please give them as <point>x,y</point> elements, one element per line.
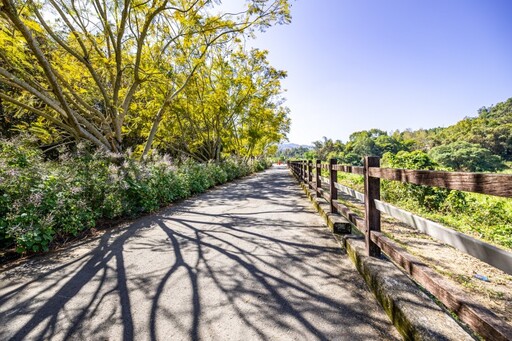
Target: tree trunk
<point>152,133</point>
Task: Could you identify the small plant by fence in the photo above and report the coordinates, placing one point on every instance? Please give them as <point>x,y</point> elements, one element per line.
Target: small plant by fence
<point>482,321</point>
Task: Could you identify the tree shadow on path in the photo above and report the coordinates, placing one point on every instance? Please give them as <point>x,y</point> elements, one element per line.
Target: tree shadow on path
<point>247,260</point>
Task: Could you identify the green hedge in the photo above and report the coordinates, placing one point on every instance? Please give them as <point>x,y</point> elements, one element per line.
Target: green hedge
<point>43,201</point>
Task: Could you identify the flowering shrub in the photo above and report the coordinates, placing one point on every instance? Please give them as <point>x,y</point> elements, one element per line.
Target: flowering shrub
<point>44,200</point>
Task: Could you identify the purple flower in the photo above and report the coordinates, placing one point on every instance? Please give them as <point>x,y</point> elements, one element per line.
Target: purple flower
<point>36,198</point>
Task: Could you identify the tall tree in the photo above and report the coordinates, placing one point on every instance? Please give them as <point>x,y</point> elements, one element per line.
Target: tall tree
<point>88,66</point>
<point>233,105</point>
<point>465,156</point>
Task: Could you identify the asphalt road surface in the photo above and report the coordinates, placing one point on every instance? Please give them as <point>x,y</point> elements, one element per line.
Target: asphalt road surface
<point>250,260</point>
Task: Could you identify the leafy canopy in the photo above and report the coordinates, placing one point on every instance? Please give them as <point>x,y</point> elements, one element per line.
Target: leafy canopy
<point>100,70</point>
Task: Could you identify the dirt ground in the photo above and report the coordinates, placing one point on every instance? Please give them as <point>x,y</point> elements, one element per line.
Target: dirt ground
<point>458,267</point>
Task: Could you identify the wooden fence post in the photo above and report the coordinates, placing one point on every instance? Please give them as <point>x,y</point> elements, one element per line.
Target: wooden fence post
<point>310,174</point>
<point>305,173</point>
<point>372,214</point>
<point>333,191</point>
<point>318,181</point>
<point>302,171</point>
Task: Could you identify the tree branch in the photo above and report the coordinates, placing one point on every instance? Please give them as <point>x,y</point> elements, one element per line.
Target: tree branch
<point>38,112</point>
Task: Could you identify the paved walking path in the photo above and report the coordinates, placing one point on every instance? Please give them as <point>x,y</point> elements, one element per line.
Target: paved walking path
<point>250,260</point>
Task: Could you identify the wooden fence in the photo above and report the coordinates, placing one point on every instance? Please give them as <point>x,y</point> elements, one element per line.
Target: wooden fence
<point>481,320</point>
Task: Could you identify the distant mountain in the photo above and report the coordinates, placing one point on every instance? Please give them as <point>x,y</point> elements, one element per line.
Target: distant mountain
<point>289,145</point>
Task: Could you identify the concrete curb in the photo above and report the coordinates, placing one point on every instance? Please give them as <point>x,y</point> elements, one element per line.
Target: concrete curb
<point>415,315</point>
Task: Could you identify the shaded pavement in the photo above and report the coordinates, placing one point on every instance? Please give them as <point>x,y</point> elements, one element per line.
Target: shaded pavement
<point>249,260</point>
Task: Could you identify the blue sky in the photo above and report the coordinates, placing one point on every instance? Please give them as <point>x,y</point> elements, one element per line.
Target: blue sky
<point>390,64</point>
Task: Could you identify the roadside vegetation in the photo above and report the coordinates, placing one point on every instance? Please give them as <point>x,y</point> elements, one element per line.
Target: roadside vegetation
<point>482,216</point>
<point>475,144</point>
<point>42,202</point>
<point>112,109</point>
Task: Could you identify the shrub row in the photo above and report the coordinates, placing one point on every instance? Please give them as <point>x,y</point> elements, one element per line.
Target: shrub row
<point>43,201</point>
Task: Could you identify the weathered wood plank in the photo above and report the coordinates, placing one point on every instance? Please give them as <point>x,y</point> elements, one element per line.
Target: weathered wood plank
<point>318,181</point>
<point>326,195</point>
<point>357,221</point>
<point>322,193</point>
<point>492,184</point>
<point>349,169</point>
<point>480,319</point>
<point>372,214</point>
<point>333,192</point>
<point>310,173</point>
<point>351,216</point>
<point>304,171</point>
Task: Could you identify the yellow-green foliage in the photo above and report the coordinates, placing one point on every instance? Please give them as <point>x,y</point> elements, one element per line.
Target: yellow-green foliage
<point>113,73</point>
<point>41,201</point>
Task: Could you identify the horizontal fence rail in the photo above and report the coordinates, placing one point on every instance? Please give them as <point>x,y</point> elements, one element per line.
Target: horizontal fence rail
<point>350,192</point>
<point>349,169</point>
<point>481,320</point>
<point>483,183</point>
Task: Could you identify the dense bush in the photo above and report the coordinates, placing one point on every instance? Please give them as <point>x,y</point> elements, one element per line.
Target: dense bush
<point>466,157</point>
<point>425,196</point>
<point>41,201</point>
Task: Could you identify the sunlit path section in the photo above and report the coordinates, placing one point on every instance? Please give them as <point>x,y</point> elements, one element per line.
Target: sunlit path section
<point>250,260</point>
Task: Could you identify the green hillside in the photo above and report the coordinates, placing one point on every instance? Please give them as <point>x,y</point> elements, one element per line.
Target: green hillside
<point>481,143</point>
<point>477,144</point>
